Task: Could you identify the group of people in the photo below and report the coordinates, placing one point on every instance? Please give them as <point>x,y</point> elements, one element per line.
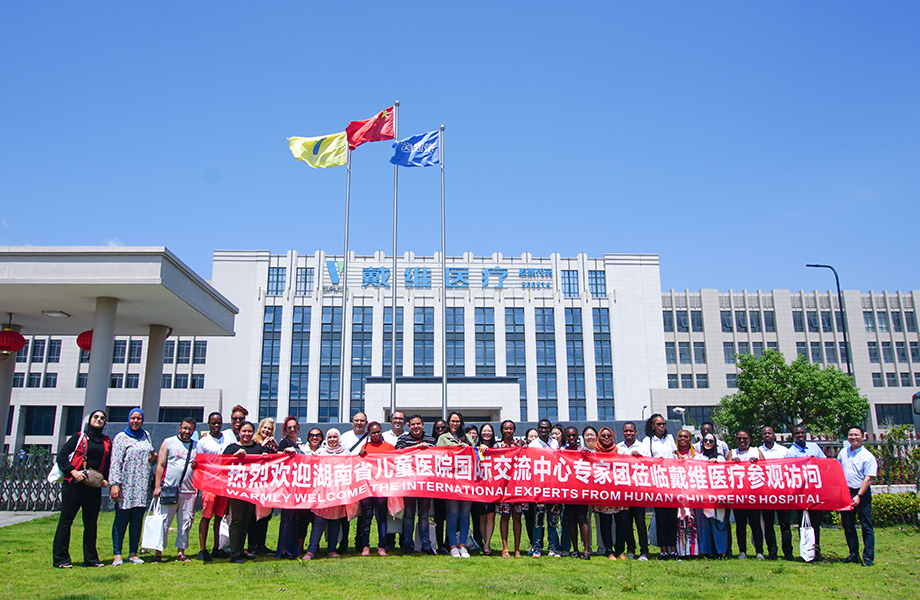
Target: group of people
<point>134,471</point>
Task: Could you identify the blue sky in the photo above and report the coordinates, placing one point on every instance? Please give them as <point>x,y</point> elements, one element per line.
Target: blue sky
<point>738,140</point>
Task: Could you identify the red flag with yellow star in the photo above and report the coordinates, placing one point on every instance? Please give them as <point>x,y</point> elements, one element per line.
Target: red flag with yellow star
<point>377,128</point>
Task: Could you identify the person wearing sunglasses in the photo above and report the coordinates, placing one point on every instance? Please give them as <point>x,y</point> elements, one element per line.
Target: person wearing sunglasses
<point>290,538</point>
<point>712,523</point>
<point>745,517</point>
<point>416,438</point>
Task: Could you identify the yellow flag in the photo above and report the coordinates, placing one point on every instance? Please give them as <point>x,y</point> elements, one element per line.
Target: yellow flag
<point>321,152</point>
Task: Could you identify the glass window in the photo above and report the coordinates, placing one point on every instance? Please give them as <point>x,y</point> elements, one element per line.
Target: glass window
<point>915,352</point>
<point>169,352</point>
<point>197,381</point>
<point>570,284</point>
<point>757,348</point>
<point>166,382</point>
<point>917,379</point>
<point>883,322</point>
<point>84,357</point>
<point>892,379</point>
<point>276,276</point>
<point>686,380</point>
<point>668,318</point>
<point>696,320</point>
<point>812,316</point>
<point>873,352</point>
<point>132,381</point>
<point>702,380</point>
<point>683,325</point>
<point>754,318</point>
<point>38,351</point>
<point>81,380</point>
<point>910,322</point>
<point>672,381</point>
<point>901,350</point>
<point>23,355</point>
<point>119,352</point>
<point>684,350</point>
<point>304,281</point>
<point>728,350</point>
<point>184,352</point>
<point>844,354</point>
<point>117,381</point>
<point>877,380</point>
<point>134,352</point>
<point>39,420</point>
<point>798,321</point>
<point>175,415</point>
<point>670,353</point>
<point>731,380</point>
<point>774,346</point>
<point>887,353</point>
<point>827,321</point>
<point>34,380</point>
<point>769,321</point>
<point>181,382</point>
<point>817,356</point>
<point>54,351</point>
<point>869,320</point>
<point>50,380</point>
<point>118,414</point>
<point>201,353</point>
<point>905,379</point>
<point>894,414</point>
<point>741,320</point>
<point>19,380</point>
<point>744,348</point>
<point>597,283</point>
<point>838,316</point>
<point>726,317</point>
<point>801,349</point>
<point>830,352</point>
<point>897,324</point>
<point>699,353</point>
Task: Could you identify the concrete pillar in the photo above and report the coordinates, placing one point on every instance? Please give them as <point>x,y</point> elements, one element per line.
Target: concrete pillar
<point>153,372</point>
<point>100,356</point>
<point>7,368</point>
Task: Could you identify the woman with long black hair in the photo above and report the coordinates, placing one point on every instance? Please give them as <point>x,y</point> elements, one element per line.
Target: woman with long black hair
<point>82,459</point>
<point>661,445</point>
<point>458,511</point>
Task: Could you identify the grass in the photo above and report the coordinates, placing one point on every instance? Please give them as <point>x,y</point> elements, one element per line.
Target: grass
<point>25,556</point>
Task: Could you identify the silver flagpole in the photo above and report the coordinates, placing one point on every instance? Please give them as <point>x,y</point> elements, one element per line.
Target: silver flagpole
<point>443,287</point>
<point>393,272</point>
<point>342,403</point>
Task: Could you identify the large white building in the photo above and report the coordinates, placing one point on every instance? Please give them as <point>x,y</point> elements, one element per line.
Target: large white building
<point>523,338</point>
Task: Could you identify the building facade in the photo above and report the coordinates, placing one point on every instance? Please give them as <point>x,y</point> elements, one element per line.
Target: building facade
<point>569,339</point>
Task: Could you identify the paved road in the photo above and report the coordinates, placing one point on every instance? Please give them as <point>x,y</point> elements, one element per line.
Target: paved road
<point>9,517</point>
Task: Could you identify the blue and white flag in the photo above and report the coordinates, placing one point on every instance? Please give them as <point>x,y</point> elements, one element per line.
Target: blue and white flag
<point>422,150</point>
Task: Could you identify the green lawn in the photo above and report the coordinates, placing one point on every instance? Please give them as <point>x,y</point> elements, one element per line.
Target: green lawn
<point>26,554</point>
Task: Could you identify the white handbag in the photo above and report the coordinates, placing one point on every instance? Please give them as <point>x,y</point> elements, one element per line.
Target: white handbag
<point>152,538</point>
<point>806,538</point>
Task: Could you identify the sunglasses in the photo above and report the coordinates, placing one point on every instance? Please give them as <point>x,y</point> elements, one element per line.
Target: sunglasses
<point>314,435</point>
<point>709,441</point>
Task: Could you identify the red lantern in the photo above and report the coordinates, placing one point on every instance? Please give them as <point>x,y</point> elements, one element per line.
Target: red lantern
<point>10,341</point>
<point>85,340</point>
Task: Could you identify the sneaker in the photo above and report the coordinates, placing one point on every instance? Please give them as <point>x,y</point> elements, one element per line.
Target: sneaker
<point>429,551</point>
<point>454,552</point>
<point>135,560</point>
<point>308,556</point>
<point>218,553</point>
<point>334,555</point>
<point>742,556</point>
<point>759,556</point>
<point>850,559</point>
<point>237,561</point>
<point>204,556</point>
<point>553,554</point>
<point>463,552</point>
<point>643,558</point>
<point>536,554</point>
<point>117,563</point>
<point>381,552</point>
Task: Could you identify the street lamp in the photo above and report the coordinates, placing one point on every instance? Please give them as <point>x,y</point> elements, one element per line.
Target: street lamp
<point>846,342</point>
<point>643,411</point>
<point>682,412</point>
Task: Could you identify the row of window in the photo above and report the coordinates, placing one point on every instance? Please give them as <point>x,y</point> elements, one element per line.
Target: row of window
<point>38,351</point>
<point>39,420</point>
<point>181,352</point>
<point>894,380</point>
<point>686,381</point>
<point>889,353</point>
<point>883,322</point>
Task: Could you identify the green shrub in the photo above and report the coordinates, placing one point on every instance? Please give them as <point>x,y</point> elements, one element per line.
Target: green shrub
<point>895,509</point>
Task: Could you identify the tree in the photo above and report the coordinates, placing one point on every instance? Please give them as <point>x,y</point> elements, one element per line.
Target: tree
<point>772,392</point>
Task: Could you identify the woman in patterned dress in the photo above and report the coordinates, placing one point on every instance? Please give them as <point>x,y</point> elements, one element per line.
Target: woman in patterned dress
<point>133,458</point>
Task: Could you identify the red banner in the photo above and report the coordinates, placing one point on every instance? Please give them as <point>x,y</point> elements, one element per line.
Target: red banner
<point>524,475</point>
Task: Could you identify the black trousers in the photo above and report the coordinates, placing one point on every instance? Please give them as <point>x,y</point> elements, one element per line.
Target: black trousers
<point>241,512</point>
<point>743,519</point>
<point>666,522</point>
<point>785,531</point>
<point>74,497</point>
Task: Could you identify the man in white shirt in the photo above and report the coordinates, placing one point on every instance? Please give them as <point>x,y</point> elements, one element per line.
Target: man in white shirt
<point>212,505</point>
<point>859,469</point>
<point>354,440</point>
<point>801,448</point>
<point>773,451</point>
<point>634,515</point>
<point>174,468</point>
<point>397,427</point>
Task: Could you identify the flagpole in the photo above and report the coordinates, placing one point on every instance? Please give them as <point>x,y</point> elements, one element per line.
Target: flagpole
<point>443,287</point>
<point>393,270</point>
<point>342,404</point>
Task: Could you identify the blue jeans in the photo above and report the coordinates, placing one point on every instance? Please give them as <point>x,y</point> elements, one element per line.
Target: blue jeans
<point>864,512</point>
<point>123,518</point>
<point>422,506</point>
<point>331,527</point>
<point>546,516</point>
<point>458,520</point>
<point>371,507</point>
<point>713,534</point>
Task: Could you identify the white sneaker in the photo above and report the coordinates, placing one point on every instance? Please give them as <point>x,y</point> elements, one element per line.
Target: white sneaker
<point>643,558</point>
<point>455,553</point>
<point>759,556</point>
<point>135,560</point>
<point>742,555</point>
<point>463,552</point>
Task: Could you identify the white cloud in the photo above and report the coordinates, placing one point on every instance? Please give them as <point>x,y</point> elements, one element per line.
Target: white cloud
<point>113,242</point>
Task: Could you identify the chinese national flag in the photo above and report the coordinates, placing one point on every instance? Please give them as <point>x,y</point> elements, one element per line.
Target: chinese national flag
<point>377,128</point>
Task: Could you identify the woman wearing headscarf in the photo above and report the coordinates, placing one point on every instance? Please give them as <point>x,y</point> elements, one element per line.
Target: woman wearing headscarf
<point>133,458</point>
<point>327,519</point>
<point>458,511</point>
<point>712,523</point>
<point>90,449</point>
<point>687,540</point>
<point>606,446</point>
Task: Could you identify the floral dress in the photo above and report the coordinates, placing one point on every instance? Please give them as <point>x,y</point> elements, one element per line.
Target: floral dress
<point>131,470</point>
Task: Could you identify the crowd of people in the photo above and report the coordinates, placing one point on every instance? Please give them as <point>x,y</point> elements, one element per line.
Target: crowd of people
<point>127,464</point>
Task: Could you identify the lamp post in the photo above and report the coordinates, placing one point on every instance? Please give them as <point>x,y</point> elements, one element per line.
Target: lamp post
<point>846,342</point>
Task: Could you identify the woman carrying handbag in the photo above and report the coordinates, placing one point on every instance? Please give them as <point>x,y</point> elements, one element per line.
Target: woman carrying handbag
<point>84,461</point>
